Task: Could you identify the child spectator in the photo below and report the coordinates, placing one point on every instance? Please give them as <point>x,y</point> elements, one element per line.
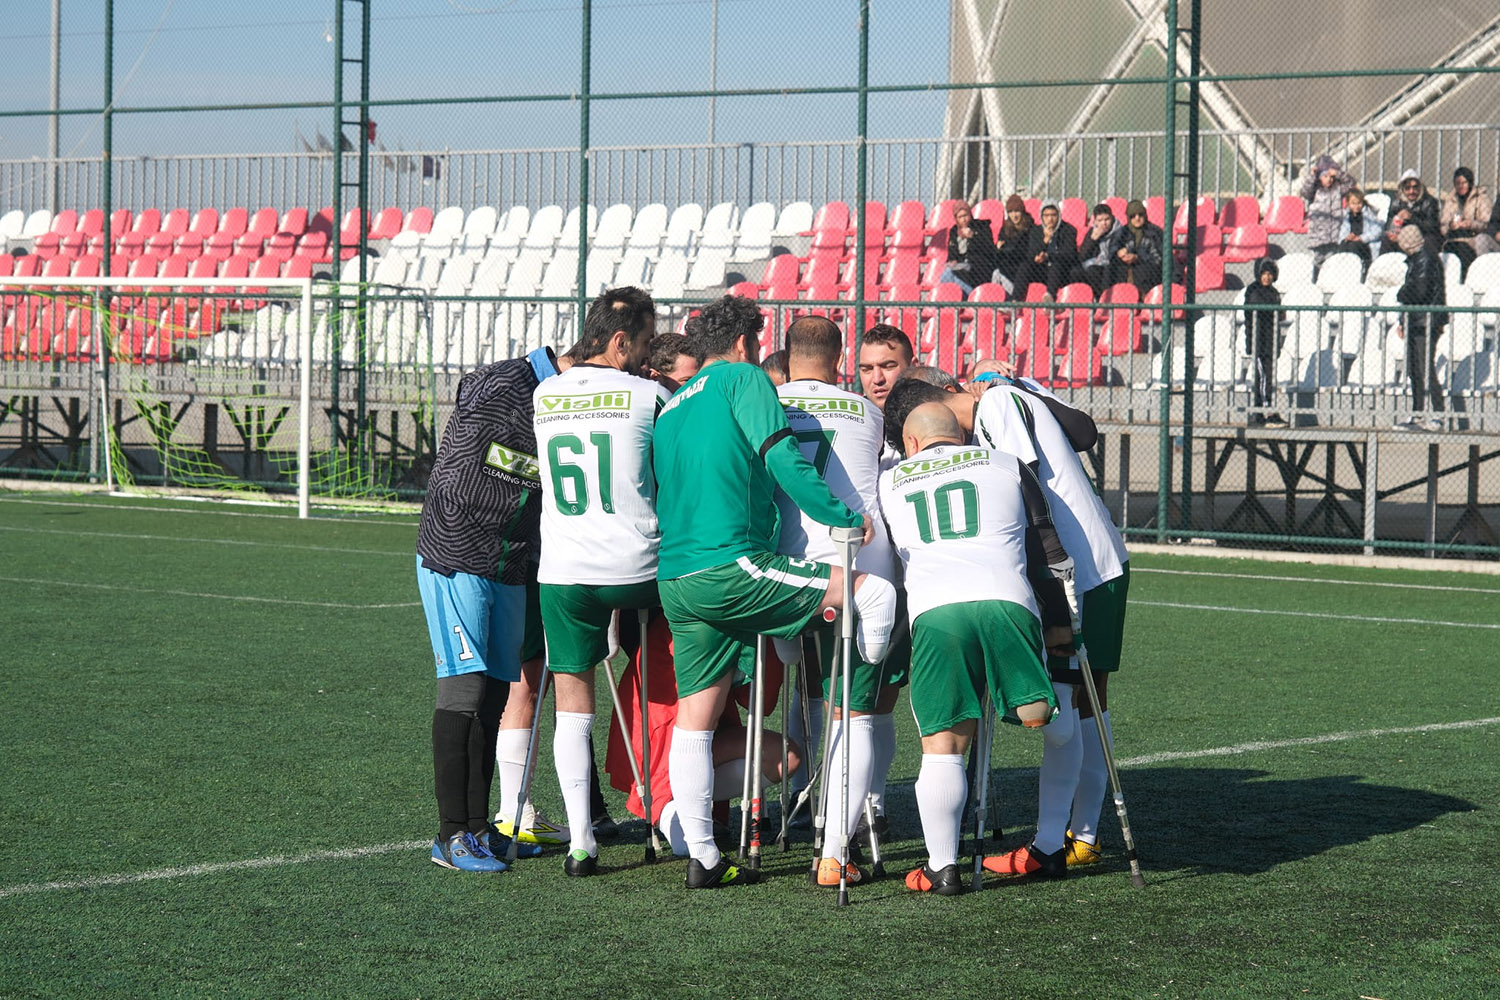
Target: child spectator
<point>1360,232</point>
<point>1262,326</point>
<point>1324,188</point>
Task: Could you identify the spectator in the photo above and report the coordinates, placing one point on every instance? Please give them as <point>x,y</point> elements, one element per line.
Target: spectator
<point>971,251</point>
<point>1053,249</point>
<point>1323,188</point>
<point>1414,205</point>
<point>1013,262</point>
<point>1137,248</point>
<point>1360,231</point>
<point>1262,326</point>
<point>1097,265</point>
<point>1463,216</point>
<point>1424,286</point>
<point>1489,240</point>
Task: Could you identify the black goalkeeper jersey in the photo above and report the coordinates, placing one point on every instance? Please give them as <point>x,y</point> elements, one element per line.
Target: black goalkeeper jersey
<point>483,512</point>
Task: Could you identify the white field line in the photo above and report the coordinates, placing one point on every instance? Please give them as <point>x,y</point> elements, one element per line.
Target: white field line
<point>401,518</point>
<point>1316,579</point>
<point>1300,741</point>
<point>1313,614</point>
<point>206,541</point>
<point>216,597</point>
<point>190,871</point>
<point>278,861</point>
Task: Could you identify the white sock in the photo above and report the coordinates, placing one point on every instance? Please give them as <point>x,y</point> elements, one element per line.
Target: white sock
<point>510,765</point>
<point>1093,779</point>
<point>1057,780</point>
<point>861,747</point>
<point>942,788</point>
<point>691,767</point>
<point>875,600</point>
<point>570,752</point>
<point>885,753</point>
<point>671,828</point>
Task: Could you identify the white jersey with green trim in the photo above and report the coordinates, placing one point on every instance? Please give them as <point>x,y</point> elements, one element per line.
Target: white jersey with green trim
<point>1019,422</point>
<point>958,521</point>
<point>593,434</point>
<point>841,435</point>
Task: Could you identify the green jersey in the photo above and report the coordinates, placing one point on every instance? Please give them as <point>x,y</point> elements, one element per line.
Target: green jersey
<point>722,446</point>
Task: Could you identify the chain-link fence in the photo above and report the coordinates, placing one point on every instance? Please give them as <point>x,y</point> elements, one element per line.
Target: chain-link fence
<point>1013,180</point>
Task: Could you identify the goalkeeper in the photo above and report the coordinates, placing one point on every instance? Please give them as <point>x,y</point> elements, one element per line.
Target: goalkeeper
<point>722,446</point>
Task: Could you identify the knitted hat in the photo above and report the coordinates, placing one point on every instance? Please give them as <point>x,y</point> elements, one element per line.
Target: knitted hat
<point>1409,239</point>
<point>1136,207</point>
<point>1015,203</point>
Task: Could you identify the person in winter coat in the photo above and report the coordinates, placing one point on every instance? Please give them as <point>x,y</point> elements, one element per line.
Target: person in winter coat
<point>1324,188</point>
<point>1361,229</point>
<point>1137,245</point>
<point>1053,249</point>
<point>1414,206</point>
<point>1424,286</point>
<point>971,250</point>
<point>1262,327</point>
<point>1463,215</point>
<point>1014,263</point>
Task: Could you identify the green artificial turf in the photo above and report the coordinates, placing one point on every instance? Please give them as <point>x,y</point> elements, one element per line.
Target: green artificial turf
<point>159,722</point>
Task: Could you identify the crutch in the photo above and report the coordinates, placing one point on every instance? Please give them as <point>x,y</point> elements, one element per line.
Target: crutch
<point>805,794</point>
<point>641,786</point>
<point>786,749</point>
<point>877,867</point>
<point>529,768</point>
<point>653,844</point>
<point>820,779</point>
<point>982,753</point>
<point>756,736</point>
<point>848,540</point>
<point>1109,759</point>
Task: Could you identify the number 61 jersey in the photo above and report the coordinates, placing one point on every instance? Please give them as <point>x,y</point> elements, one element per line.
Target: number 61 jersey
<point>958,520</point>
<point>593,437</point>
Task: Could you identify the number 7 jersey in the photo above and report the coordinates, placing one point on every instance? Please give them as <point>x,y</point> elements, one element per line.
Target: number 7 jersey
<point>594,426</point>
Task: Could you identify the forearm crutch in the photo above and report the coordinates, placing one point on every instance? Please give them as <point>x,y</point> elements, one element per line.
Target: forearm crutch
<point>848,540</point>
<point>1109,761</point>
<point>653,844</point>
<point>529,768</point>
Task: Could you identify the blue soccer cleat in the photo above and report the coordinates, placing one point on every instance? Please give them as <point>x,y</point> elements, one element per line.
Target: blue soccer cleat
<point>465,853</point>
<point>498,844</point>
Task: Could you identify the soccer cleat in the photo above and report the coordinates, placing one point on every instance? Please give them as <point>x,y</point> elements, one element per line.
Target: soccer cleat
<point>828,873</point>
<point>1029,862</point>
<point>605,828</point>
<point>1081,852</point>
<point>537,831</point>
<point>945,881</point>
<point>498,844</point>
<point>862,831</point>
<point>463,852</point>
<point>580,863</point>
<point>719,876</point>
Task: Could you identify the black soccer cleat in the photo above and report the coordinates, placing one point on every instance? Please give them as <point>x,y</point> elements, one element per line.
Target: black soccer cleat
<point>945,881</point>
<point>720,876</point>
<point>1027,862</point>
<point>580,864</point>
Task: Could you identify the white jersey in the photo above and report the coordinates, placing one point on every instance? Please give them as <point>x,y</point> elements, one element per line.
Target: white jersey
<point>1016,421</point>
<point>958,521</point>
<point>593,439</point>
<point>841,435</point>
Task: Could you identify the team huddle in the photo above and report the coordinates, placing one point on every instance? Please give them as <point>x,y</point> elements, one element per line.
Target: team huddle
<point>684,518</point>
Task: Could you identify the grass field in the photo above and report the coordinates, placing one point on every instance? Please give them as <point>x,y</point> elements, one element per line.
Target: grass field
<point>218,783</point>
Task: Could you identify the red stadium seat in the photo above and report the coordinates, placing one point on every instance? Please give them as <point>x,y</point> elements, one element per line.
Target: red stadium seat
<point>1075,212</point>
<point>57,267</point>
<point>119,222</point>
<point>1246,243</point>
<point>874,222</point>
<point>190,245</point>
<point>1287,215</point>
<point>235,221</point>
<point>281,246</point>
<point>1117,205</point>
<point>991,334</point>
<point>1208,272</point>
<point>74,245</point>
<point>940,339</point>
<point>419,220</point>
<point>991,210</point>
<point>1033,208</point>
<point>64,222</point>
<point>1156,210</point>
<point>47,246</point>
<point>160,245</point>
<point>1122,327</point>
<point>782,272</point>
<point>1207,211</point>
<point>829,238</point>
<point>743,289</point>
<point>148,222</point>
<point>295,221</point>
<point>175,223</point>
<point>908,240</point>
<point>205,222</point>
<point>903,269</point>
<point>942,216</point>
<point>386,225</point>
<point>314,244</point>
<point>92,222</point>
<point>908,216</point>
<point>1154,298</point>
<point>833,215</point>
<point>908,318</point>
<point>322,222</point>
<point>86,267</point>
<point>1241,210</point>
<point>131,246</point>
<point>219,246</point>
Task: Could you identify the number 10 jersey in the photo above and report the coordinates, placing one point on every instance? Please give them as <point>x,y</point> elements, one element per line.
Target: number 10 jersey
<point>593,434</point>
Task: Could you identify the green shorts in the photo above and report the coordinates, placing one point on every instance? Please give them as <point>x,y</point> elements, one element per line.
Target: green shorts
<point>896,670</point>
<point>1103,627</point>
<point>864,681</point>
<point>533,643</point>
<point>716,614</point>
<point>576,618</point>
<point>959,649</point>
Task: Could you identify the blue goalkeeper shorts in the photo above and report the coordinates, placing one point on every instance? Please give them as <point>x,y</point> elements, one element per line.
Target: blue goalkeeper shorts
<point>474,624</point>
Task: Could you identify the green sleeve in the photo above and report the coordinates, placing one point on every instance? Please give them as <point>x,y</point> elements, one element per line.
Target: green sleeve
<point>760,416</point>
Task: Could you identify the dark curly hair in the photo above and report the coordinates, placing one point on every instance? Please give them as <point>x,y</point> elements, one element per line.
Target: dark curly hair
<point>725,319</point>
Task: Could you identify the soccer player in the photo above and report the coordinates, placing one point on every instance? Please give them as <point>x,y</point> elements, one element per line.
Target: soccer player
<point>884,355</point>
<point>476,540</point>
<point>972,527</point>
<point>598,525</point>
<point>1021,417</point>
<point>722,446</point>
<point>841,434</point>
<point>674,359</point>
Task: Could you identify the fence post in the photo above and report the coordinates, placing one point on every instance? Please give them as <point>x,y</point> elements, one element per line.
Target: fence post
<point>1169,178</point>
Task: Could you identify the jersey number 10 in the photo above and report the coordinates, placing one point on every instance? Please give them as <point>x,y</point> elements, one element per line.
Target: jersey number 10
<point>564,473</point>
<point>943,500</point>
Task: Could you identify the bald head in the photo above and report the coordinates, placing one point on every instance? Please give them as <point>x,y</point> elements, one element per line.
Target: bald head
<point>814,345</point>
<point>929,424</point>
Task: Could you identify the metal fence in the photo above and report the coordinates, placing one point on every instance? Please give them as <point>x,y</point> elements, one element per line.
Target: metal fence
<point>1182,458</point>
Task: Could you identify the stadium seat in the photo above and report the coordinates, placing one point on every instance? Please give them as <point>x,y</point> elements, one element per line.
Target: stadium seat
<point>1033,208</point>
<point>669,277</point>
<point>1154,298</point>
<point>74,245</point>
<point>990,335</point>
<point>47,245</point>
<point>599,274</point>
<point>205,222</point>
<point>419,220</point>
<point>160,245</point>
<point>1207,212</point>
<point>874,222</point>
<point>907,217</point>
<point>1350,318</point>
<point>829,239</point>
<point>795,219</point>
<point>1246,243</point>
<point>991,210</point>
<point>64,222</point>
<point>1156,210</point>
<point>708,264</point>
<point>234,222</point>
<point>907,318</point>
<point>57,267</point>
<point>649,228</point>
<point>1241,210</point>
<point>940,339</point>
<point>147,222</point>
<point>612,230</point>
<point>1117,205</point>
<point>1288,214</point>
<point>386,224</point>
<point>1388,271</point>
<point>1217,341</point>
<point>37,223</point>
<point>545,226</point>
<point>91,222</point>
<point>131,245</point>
<point>1208,272</point>
<point>942,216</point>
<point>1210,239</point>
<point>1294,269</point>
<point>1122,327</point>
<point>1075,212</point>
<point>904,268</point>
<point>683,229</point>
<point>175,223</point>
<point>1339,270</point>
<point>722,218</point>
<point>756,227</point>
<point>11,224</point>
